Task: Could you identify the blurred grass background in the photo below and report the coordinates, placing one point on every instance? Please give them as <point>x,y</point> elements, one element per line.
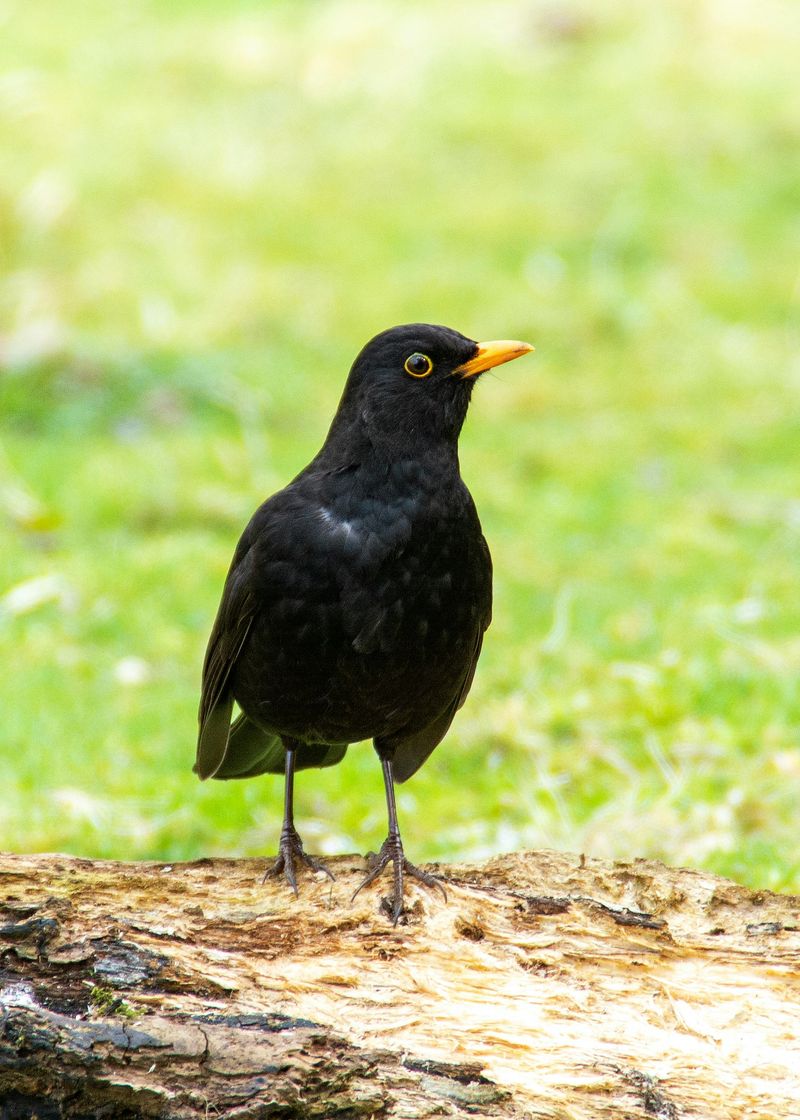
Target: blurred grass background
<point>206,208</point>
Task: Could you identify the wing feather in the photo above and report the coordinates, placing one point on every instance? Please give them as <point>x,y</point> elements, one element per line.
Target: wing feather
<point>228,636</point>
<point>412,751</point>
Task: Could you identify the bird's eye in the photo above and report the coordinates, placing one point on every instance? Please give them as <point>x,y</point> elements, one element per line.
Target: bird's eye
<point>418,365</point>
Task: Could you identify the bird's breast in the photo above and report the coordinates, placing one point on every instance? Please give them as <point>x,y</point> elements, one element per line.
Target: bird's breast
<point>369,611</point>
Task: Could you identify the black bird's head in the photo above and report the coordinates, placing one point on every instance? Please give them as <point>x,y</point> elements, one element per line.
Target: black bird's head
<point>411,385</point>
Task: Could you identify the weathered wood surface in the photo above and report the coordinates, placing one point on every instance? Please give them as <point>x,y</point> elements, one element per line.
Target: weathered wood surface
<point>544,987</point>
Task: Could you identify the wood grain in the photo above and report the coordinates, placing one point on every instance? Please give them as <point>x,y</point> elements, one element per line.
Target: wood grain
<point>545,986</point>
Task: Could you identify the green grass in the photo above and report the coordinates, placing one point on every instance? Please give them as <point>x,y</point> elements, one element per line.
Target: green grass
<point>206,209</point>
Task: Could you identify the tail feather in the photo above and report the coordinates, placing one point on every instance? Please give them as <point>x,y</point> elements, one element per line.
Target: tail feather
<point>252,751</point>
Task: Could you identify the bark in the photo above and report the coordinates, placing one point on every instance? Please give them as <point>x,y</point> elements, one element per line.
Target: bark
<point>545,986</point>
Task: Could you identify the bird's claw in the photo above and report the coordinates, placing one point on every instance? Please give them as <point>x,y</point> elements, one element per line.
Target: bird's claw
<point>392,852</point>
<point>290,851</point>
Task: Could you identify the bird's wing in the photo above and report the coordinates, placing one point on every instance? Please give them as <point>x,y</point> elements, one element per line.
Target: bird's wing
<point>231,627</point>
<point>243,750</point>
<point>412,752</point>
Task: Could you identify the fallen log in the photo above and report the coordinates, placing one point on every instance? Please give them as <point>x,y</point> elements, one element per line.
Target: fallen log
<point>546,986</point>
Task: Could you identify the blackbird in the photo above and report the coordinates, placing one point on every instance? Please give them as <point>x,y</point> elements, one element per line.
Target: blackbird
<point>358,596</point>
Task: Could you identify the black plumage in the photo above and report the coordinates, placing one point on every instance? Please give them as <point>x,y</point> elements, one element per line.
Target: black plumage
<point>358,596</point>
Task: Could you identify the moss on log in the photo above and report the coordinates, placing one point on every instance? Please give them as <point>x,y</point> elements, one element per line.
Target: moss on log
<point>545,986</point>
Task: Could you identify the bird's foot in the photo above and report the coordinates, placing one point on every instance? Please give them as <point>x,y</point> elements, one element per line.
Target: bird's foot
<point>290,852</point>
<point>392,852</point>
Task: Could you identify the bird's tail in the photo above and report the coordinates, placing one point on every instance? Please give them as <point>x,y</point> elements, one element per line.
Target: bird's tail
<point>252,751</point>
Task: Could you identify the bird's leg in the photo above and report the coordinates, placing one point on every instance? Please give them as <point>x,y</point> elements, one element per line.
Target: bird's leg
<point>392,852</point>
<point>290,847</point>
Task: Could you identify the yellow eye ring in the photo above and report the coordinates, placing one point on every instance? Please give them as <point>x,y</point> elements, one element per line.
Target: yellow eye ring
<point>418,365</point>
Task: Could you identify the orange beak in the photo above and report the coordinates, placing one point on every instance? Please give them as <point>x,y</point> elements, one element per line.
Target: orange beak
<point>492,354</point>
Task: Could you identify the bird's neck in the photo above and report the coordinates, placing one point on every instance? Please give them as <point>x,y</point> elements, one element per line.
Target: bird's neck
<point>369,446</point>
<point>367,431</point>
